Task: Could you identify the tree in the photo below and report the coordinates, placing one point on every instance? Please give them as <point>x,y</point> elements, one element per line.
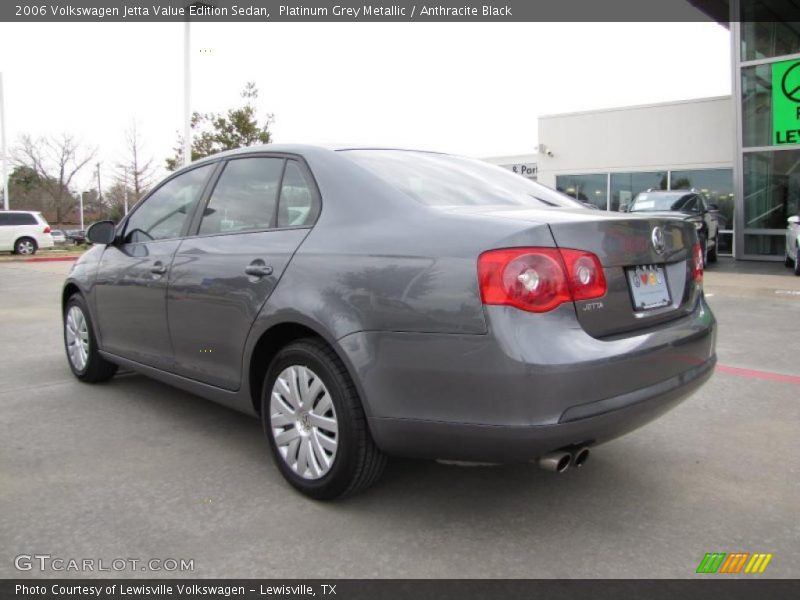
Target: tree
<point>135,172</point>
<point>25,187</point>
<point>216,132</point>
<point>55,160</point>
<point>114,200</point>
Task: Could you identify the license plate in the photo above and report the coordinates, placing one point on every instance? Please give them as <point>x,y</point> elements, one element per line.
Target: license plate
<point>648,284</point>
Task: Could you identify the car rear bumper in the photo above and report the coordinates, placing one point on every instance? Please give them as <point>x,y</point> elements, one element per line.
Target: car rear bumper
<point>533,384</point>
<point>584,424</point>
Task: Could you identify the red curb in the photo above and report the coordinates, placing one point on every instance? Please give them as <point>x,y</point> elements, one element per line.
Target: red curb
<point>754,374</point>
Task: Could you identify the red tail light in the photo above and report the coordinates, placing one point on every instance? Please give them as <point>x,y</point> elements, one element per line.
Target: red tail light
<point>697,263</point>
<point>46,229</point>
<point>539,279</point>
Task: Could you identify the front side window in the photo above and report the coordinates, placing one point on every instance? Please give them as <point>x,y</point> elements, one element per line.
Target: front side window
<point>164,213</point>
<point>244,197</point>
<point>298,204</point>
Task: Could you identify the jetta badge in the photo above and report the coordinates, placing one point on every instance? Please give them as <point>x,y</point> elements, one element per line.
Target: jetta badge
<point>657,237</point>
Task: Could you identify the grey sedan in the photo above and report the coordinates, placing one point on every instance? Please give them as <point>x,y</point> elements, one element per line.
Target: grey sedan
<point>366,303</point>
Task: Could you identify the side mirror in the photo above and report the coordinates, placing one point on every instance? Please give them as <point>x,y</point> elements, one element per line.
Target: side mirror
<point>795,220</point>
<point>102,232</point>
<point>713,207</point>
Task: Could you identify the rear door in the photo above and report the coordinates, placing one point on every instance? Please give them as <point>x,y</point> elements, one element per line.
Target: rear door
<point>131,285</point>
<point>259,212</point>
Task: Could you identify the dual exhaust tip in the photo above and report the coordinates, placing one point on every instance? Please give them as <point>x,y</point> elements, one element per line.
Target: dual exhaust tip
<point>561,460</point>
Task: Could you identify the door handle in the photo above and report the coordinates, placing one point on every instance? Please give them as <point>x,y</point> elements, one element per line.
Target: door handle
<point>258,270</point>
<point>158,268</point>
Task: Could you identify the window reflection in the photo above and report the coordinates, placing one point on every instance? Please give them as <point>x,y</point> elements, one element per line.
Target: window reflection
<point>771,194</point>
<point>762,36</point>
<point>589,189</point>
<point>626,186</point>
<point>757,106</point>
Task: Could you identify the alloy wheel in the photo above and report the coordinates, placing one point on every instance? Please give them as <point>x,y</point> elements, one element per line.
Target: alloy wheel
<point>77,334</point>
<point>303,422</point>
<point>25,247</point>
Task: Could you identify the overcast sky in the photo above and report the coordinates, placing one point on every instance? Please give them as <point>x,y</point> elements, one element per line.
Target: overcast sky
<point>474,89</point>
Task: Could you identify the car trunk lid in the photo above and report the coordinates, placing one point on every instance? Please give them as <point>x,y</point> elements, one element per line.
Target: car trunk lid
<point>647,262</point>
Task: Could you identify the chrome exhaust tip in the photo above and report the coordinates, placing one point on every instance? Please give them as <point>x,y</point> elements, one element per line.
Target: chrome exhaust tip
<point>580,456</point>
<point>557,462</point>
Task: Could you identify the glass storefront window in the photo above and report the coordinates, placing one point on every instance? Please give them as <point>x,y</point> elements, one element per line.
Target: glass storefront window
<point>625,186</point>
<point>762,38</point>
<point>586,188</point>
<point>771,195</point>
<point>757,106</point>
<point>716,184</point>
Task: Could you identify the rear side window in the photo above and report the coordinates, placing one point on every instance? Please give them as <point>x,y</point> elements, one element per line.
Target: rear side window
<point>446,180</point>
<point>163,214</point>
<point>298,203</point>
<point>17,219</point>
<point>244,197</point>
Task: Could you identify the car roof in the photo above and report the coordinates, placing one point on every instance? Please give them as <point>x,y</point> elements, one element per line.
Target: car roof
<point>300,149</point>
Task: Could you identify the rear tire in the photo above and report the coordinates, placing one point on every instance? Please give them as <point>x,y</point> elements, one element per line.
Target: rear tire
<point>787,261</point>
<point>25,246</point>
<point>83,355</point>
<point>712,253</point>
<point>315,388</point>
<point>797,261</point>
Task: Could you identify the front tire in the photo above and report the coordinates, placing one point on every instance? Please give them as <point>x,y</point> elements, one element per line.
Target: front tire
<point>83,355</point>
<point>25,246</point>
<point>315,423</point>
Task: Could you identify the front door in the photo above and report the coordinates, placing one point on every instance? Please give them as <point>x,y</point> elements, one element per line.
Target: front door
<point>258,214</point>
<point>132,276</point>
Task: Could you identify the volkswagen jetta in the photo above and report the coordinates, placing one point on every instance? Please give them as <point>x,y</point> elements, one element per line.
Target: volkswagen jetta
<point>374,302</point>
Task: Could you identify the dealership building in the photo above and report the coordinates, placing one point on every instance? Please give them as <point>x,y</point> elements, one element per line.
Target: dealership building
<point>742,151</point>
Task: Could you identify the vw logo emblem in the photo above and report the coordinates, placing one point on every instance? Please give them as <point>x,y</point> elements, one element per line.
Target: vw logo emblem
<point>657,237</point>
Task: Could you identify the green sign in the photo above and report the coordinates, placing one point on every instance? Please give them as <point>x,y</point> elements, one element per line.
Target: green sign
<point>786,102</point>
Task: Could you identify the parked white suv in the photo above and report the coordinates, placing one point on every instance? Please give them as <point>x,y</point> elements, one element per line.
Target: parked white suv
<point>24,232</point>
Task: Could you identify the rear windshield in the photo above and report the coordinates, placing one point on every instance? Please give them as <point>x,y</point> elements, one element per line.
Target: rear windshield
<point>646,202</point>
<point>445,180</point>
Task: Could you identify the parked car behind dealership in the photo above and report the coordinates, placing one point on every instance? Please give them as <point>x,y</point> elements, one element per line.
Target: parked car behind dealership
<point>24,232</point>
<point>688,205</point>
<point>366,303</point>
<point>59,237</point>
<point>76,236</point>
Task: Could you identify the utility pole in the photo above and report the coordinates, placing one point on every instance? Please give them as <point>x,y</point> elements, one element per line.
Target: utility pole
<point>3,149</point>
<point>187,90</point>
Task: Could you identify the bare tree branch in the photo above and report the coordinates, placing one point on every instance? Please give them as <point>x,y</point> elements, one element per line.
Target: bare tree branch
<point>56,160</point>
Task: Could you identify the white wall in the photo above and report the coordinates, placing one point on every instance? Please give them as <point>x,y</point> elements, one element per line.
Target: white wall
<point>691,134</point>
